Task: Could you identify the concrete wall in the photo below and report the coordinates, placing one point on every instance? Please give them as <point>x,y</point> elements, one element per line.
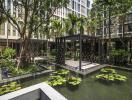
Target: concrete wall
<point>41,91</point>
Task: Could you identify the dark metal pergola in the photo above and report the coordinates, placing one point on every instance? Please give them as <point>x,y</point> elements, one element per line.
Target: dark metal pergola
<point>83,41</point>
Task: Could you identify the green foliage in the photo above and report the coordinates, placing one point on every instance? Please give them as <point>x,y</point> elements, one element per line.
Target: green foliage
<point>73,19</point>
<point>8,53</point>
<point>60,78</point>
<point>81,24</point>
<point>119,56</point>
<point>7,62</point>
<point>110,75</point>
<point>74,81</point>
<point>119,53</point>
<point>6,56</point>
<point>57,29</point>
<point>26,70</point>
<point>107,70</point>
<point>120,78</point>
<point>62,72</point>
<point>67,26</point>
<point>41,11</point>
<point>13,86</point>
<point>56,81</point>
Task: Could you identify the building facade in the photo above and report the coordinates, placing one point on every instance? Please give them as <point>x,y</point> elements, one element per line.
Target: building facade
<point>116,27</point>
<point>78,7</point>
<point>9,35</point>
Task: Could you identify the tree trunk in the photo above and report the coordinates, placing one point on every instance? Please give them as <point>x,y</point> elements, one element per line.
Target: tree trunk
<point>24,58</point>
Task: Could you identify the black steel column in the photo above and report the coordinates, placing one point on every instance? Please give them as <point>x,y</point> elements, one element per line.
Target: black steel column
<point>56,43</point>
<point>64,49</point>
<point>80,60</point>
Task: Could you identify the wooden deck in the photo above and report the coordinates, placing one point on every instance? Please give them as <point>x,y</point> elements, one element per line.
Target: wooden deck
<point>87,67</point>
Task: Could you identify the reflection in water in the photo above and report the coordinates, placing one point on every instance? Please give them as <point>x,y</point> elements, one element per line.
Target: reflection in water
<point>90,89</point>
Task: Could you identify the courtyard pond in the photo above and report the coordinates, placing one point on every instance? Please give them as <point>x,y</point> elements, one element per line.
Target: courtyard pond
<point>91,89</point>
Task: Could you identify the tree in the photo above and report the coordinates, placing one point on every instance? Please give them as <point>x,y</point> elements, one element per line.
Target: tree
<point>91,23</point>
<point>115,8</point>
<point>57,29</point>
<point>67,26</point>
<point>122,7</point>
<point>73,20</point>
<point>82,21</point>
<point>2,17</point>
<point>34,14</point>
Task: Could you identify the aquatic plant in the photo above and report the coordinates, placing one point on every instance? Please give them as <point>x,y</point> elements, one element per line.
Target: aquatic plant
<point>120,78</point>
<point>13,86</point>
<point>60,78</point>
<point>110,75</point>
<point>56,81</point>
<point>74,81</point>
<point>62,72</point>
<point>105,77</point>
<point>107,70</point>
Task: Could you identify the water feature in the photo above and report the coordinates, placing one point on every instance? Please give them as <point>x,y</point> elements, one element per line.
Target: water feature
<point>90,89</point>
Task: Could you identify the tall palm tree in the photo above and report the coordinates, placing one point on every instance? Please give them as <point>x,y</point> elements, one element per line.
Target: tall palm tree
<point>57,28</point>
<point>67,26</point>
<point>91,25</point>
<point>73,20</point>
<point>81,24</point>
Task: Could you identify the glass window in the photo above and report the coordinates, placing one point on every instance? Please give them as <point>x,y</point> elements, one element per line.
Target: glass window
<point>72,4</point>
<point>129,27</point>
<point>88,3</point>
<point>120,29</point>
<point>9,4</point>
<point>14,32</point>
<point>78,7</point>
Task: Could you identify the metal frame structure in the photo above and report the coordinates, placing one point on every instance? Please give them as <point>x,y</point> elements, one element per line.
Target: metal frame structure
<point>84,50</point>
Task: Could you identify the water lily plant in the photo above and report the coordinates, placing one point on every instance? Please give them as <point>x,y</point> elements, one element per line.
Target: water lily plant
<point>74,81</point>
<point>56,81</point>
<point>13,86</point>
<point>62,72</point>
<point>110,75</point>
<point>107,70</point>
